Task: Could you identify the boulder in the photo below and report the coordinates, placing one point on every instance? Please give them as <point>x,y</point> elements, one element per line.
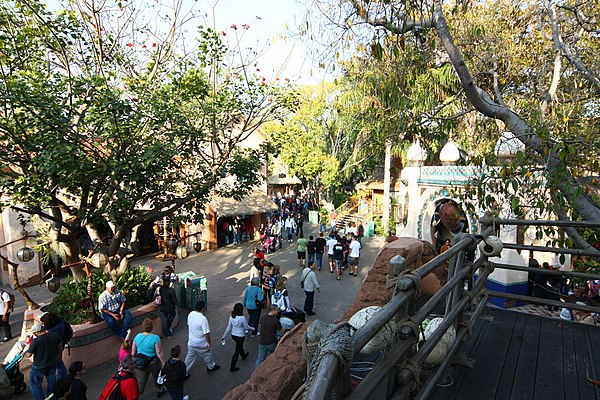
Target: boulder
<point>280,375</point>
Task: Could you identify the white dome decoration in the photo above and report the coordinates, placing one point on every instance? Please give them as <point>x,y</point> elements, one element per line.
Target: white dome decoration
<point>385,336</point>
<point>441,349</point>
<point>508,146</point>
<point>416,154</point>
<point>449,154</point>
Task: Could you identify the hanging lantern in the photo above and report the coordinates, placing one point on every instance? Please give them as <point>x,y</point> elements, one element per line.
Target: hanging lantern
<point>25,254</point>
<point>53,284</point>
<point>172,245</point>
<point>99,259</point>
<point>197,247</point>
<point>182,252</point>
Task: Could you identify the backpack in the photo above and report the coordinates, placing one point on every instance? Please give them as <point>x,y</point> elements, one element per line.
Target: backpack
<point>11,302</point>
<point>68,335</point>
<point>112,390</point>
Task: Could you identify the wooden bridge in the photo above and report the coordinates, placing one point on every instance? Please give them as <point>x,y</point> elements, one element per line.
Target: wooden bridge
<point>496,354</point>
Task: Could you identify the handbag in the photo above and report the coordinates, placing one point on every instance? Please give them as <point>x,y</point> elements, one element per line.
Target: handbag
<point>160,380</point>
<point>142,361</point>
<point>259,304</point>
<point>303,279</point>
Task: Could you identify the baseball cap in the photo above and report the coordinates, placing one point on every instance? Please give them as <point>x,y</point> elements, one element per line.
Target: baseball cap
<point>110,284</point>
<point>128,361</point>
<point>37,327</point>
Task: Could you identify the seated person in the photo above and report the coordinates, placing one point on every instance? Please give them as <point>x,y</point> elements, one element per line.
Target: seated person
<point>111,305</point>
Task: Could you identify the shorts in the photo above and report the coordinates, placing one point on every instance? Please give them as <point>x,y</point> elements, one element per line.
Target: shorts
<point>339,264</point>
<point>353,261</point>
<point>301,255</point>
<point>331,257</point>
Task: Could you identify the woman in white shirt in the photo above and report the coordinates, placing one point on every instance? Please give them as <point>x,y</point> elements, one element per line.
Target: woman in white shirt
<point>238,326</point>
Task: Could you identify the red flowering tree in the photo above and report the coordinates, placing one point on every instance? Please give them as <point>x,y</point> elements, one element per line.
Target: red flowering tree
<point>106,124</point>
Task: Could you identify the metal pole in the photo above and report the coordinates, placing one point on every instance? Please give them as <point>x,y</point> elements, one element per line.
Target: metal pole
<point>320,387</point>
<point>573,274</point>
<point>556,250</point>
<point>524,222</point>
<point>557,303</point>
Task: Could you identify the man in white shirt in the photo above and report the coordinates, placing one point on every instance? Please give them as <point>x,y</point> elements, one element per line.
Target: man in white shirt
<point>5,313</point>
<point>199,343</point>
<point>331,242</point>
<point>354,255</point>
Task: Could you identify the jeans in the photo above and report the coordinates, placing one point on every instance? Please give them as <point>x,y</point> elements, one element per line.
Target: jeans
<point>254,316</point>
<point>236,238</point>
<point>61,371</point>
<point>319,259</point>
<point>300,230</point>
<point>311,258</point>
<point>263,352</point>
<point>176,392</point>
<point>120,331</point>
<point>36,377</point>
<point>167,320</point>
<point>322,228</point>
<point>309,301</point>
<point>194,352</point>
<point>6,326</point>
<point>290,232</point>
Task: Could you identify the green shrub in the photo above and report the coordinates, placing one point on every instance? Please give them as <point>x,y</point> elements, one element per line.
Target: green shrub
<point>71,301</point>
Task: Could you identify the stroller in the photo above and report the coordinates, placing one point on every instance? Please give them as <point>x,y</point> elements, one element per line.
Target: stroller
<point>267,246</point>
<point>15,376</point>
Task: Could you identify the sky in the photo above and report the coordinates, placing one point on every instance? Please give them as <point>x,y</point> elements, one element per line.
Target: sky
<point>265,25</point>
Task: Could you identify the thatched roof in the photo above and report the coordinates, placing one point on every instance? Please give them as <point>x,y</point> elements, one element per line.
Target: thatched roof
<point>377,184</point>
<point>285,180</point>
<point>254,203</point>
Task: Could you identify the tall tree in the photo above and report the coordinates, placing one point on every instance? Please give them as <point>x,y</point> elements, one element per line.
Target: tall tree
<point>106,125</point>
<point>553,110</point>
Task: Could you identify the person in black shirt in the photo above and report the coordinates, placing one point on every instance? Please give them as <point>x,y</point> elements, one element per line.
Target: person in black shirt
<point>46,350</point>
<point>311,248</point>
<point>320,244</point>
<point>78,388</point>
<point>338,256</point>
<point>168,306</point>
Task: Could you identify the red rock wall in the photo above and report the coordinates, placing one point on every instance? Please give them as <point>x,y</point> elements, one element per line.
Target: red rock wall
<point>284,371</point>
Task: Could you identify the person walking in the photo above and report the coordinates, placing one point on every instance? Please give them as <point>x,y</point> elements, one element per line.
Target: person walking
<point>46,350</point>
<point>269,325</point>
<point>199,343</point>
<point>354,255</point>
<point>301,250</point>
<point>168,306</point>
<point>332,241</point>
<point>290,227</point>
<point>5,312</point>
<point>111,304</point>
<point>309,283</point>
<point>237,326</point>
<point>174,374</point>
<point>128,385</point>
<point>78,388</point>
<point>311,249</point>
<point>338,256</point>
<point>147,350</point>
<point>299,224</point>
<point>252,296</point>
<point>320,245</point>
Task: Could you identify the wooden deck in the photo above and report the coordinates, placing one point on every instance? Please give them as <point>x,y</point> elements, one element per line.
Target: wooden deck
<point>521,357</point>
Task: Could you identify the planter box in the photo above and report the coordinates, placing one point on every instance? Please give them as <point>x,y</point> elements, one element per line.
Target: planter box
<point>95,344</point>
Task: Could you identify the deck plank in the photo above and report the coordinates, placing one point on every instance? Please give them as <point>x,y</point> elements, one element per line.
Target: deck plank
<point>583,361</point>
<point>481,382</point>
<point>525,370</point>
<point>549,380</point>
<point>507,376</point>
<point>571,386</point>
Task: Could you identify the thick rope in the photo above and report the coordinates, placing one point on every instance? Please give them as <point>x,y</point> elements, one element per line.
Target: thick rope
<point>415,278</point>
<point>336,341</point>
<point>415,369</point>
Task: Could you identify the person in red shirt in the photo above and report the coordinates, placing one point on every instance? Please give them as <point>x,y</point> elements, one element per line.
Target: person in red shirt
<point>129,385</point>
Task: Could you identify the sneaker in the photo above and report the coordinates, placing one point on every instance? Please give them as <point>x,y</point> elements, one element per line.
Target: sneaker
<point>234,369</point>
<point>161,392</point>
<point>244,356</point>
<point>213,369</point>
<point>187,376</point>
<point>186,397</point>
<point>6,339</point>
<point>311,313</point>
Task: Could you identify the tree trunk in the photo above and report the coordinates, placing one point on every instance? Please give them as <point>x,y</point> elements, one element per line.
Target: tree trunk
<point>385,215</point>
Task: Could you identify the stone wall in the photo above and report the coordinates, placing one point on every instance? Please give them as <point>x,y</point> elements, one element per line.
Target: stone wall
<point>284,371</point>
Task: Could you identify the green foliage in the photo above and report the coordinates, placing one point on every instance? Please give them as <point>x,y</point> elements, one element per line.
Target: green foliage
<point>72,303</point>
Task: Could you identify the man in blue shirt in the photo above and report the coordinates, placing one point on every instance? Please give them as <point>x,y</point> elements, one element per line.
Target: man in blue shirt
<point>111,304</point>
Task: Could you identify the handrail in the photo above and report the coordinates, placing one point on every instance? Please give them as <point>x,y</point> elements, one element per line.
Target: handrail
<point>324,379</point>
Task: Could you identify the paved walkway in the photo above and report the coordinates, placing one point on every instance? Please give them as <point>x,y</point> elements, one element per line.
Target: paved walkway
<point>226,270</point>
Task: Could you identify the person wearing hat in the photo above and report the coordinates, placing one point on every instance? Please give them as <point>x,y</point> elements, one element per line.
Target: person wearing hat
<point>128,384</point>
<point>111,304</point>
<point>46,349</point>
<point>252,295</point>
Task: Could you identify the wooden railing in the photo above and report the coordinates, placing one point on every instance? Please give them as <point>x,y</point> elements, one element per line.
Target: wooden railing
<point>463,307</point>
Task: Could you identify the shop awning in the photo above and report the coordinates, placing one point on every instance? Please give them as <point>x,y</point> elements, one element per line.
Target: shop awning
<point>254,203</point>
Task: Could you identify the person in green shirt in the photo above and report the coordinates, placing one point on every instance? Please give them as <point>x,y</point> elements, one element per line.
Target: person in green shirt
<point>301,243</point>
